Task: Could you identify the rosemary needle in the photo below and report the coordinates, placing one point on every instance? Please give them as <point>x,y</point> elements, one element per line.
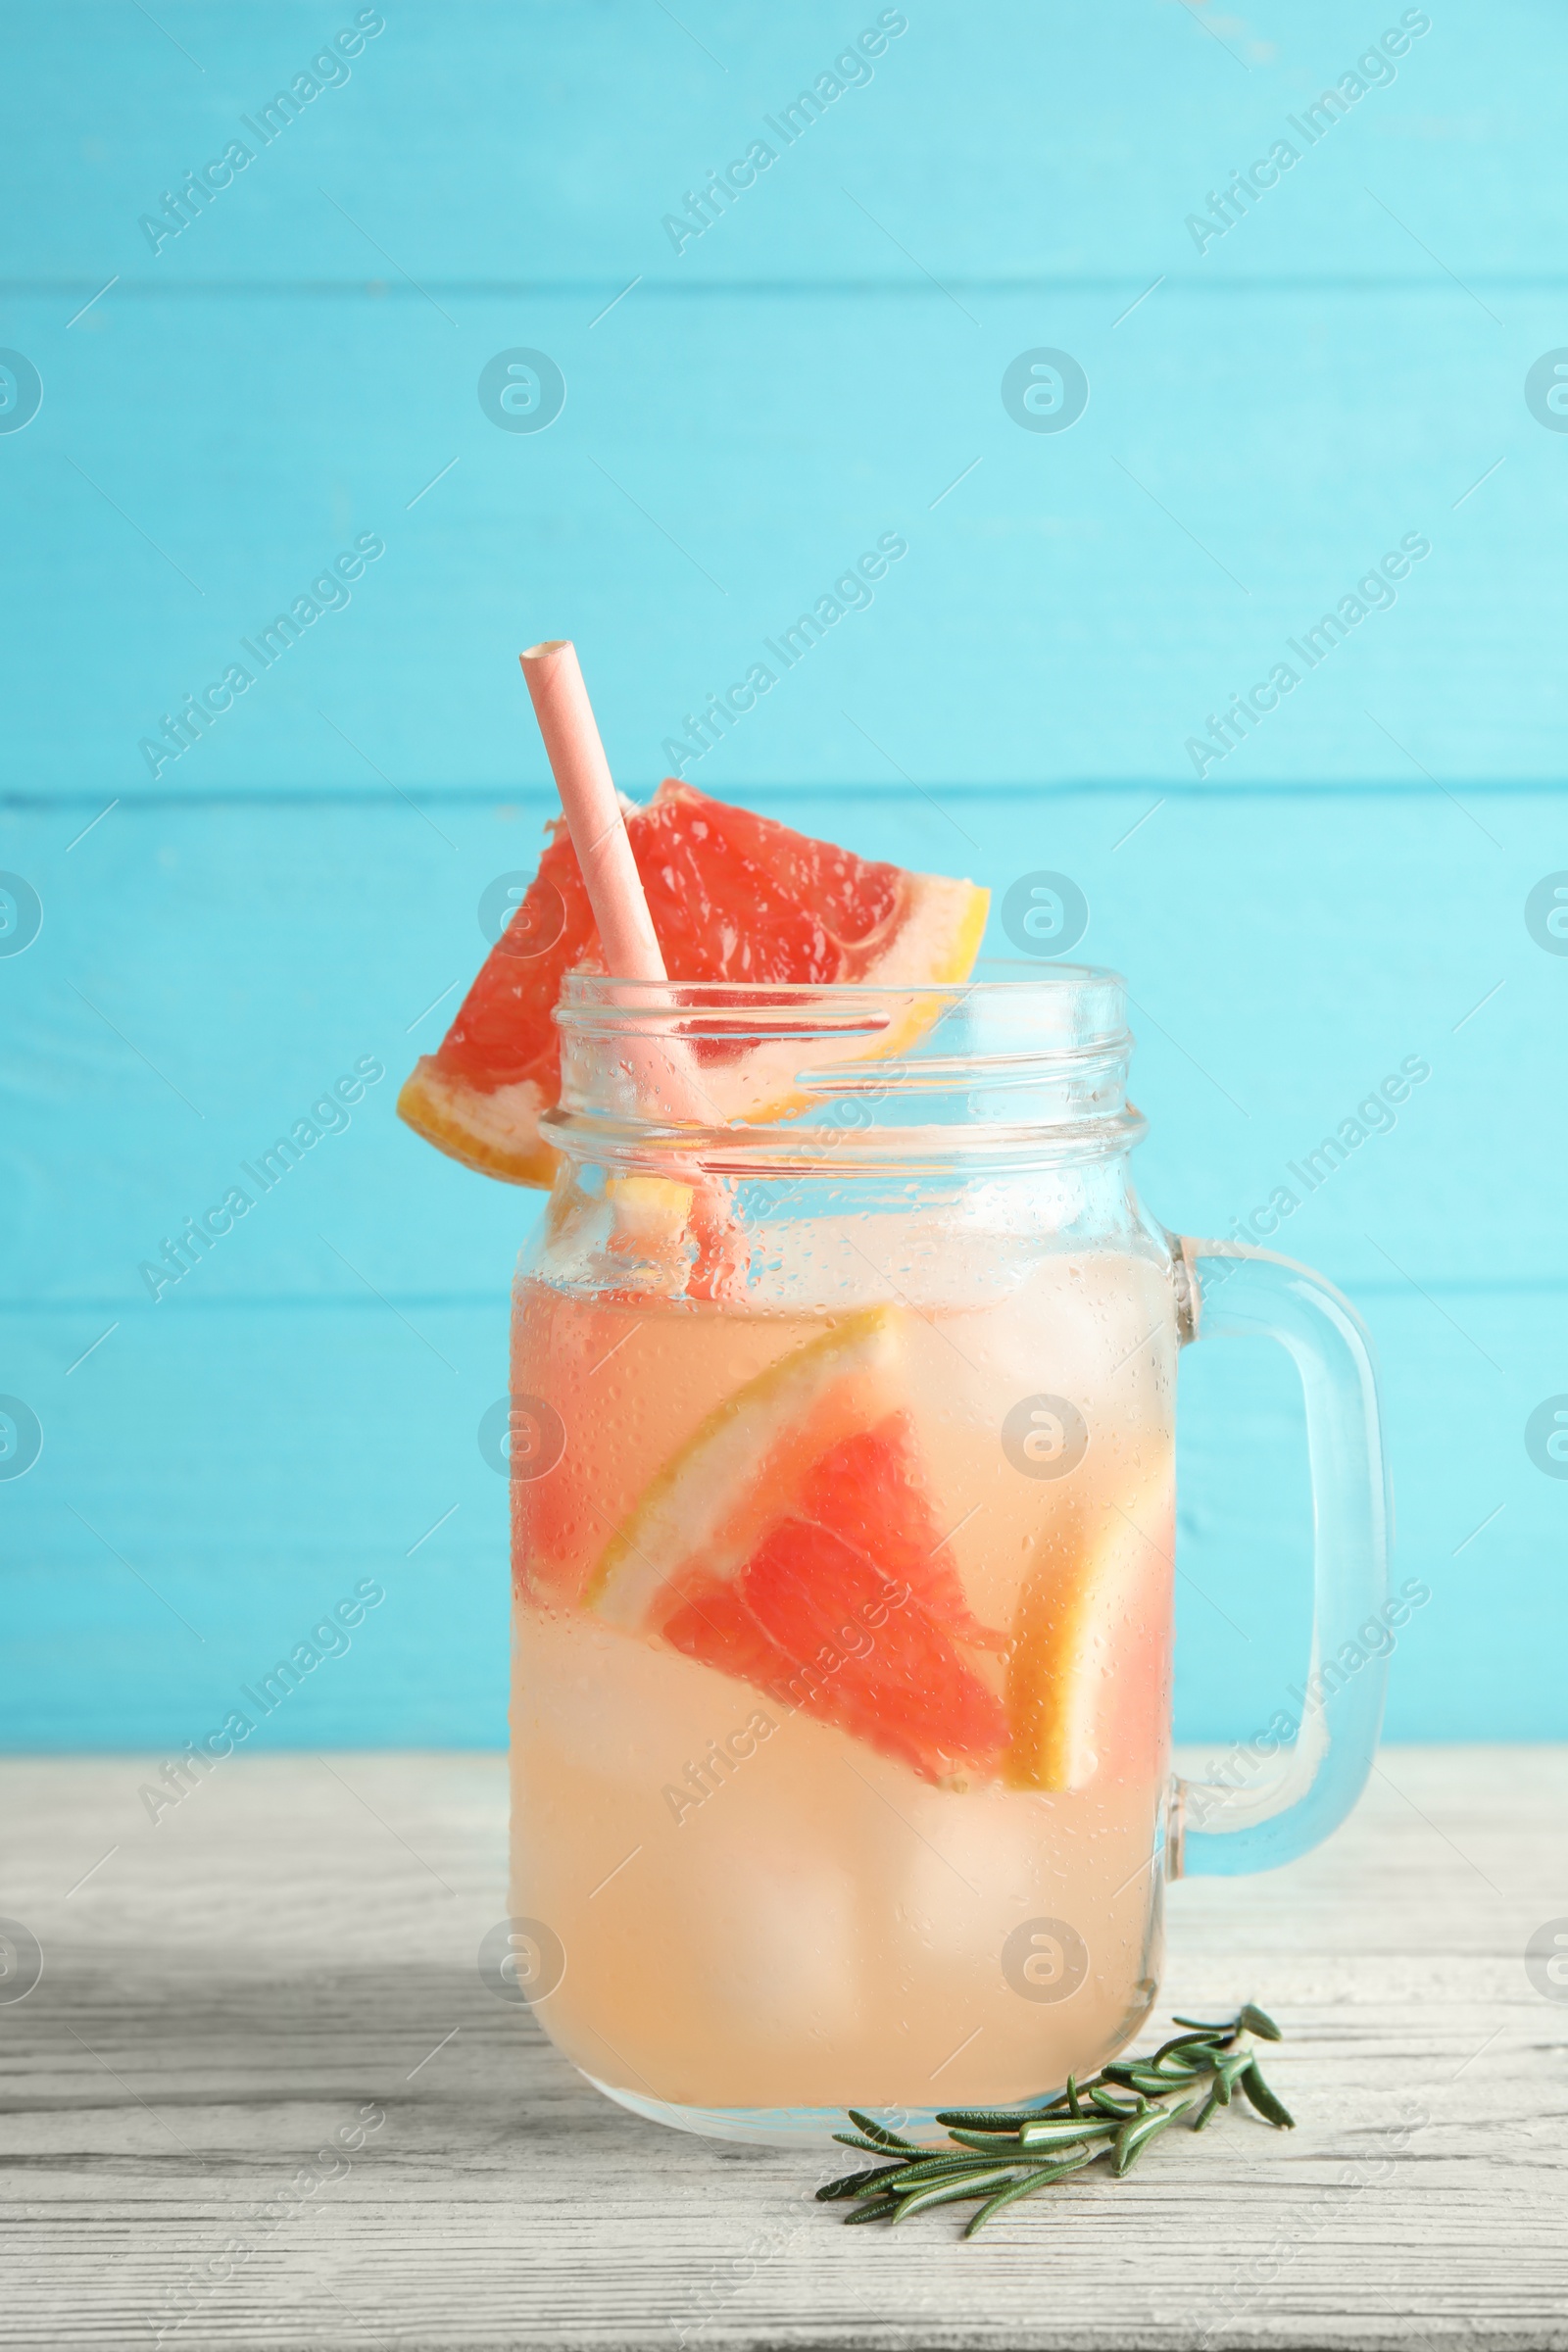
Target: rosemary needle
<point>918,2175</point>
<point>1134,2136</point>
<point>1210,2104</point>
<point>1264,2099</point>
<point>1064,2134</point>
<point>879,2133</point>
<point>852,2184</point>
<point>966,2187</point>
<point>1108,2105</point>
<point>1020,2188</point>
<point>874,2211</point>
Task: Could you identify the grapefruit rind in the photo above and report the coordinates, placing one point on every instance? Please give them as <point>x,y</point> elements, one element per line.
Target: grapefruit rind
<point>1056,1675</point>
<point>939,937</point>
<point>706,1512</point>
<point>496,1133</point>
<point>651,1214</point>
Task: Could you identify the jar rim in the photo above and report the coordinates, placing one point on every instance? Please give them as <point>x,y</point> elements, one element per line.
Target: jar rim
<point>787,1152</point>
<point>933,1071</point>
<point>1067,1007</point>
<point>1052,977</point>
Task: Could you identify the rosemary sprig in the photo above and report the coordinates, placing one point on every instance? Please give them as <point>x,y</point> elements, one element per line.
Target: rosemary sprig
<point>1003,2153</point>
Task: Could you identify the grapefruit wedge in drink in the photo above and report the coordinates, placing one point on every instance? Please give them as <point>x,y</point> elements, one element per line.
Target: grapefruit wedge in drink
<point>1074,1689</point>
<point>791,1543</point>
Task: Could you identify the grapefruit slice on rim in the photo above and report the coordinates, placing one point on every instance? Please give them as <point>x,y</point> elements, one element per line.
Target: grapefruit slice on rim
<point>733,896</point>
<point>791,1543</point>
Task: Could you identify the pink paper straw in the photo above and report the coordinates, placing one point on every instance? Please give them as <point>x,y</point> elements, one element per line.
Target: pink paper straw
<point>592,804</point>
<point>662,1070</point>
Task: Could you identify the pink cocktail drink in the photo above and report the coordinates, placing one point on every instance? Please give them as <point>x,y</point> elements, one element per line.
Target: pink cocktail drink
<point>870,1815</point>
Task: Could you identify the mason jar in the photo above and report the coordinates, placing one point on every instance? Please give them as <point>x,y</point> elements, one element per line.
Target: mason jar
<point>843,1483</point>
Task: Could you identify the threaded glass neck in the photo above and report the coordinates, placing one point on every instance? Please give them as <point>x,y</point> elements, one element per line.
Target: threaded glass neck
<point>765,1079</point>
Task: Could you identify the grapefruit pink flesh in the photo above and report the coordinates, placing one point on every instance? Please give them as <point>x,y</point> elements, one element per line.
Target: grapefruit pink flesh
<point>814,1622</point>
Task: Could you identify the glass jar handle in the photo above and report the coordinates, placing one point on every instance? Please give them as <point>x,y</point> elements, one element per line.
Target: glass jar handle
<point>1228,1290</point>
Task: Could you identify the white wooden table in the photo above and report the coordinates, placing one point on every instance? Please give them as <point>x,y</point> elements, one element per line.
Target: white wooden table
<point>293,1948</point>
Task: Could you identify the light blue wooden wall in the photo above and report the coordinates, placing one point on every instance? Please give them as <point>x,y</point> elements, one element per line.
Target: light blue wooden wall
<point>299,366</point>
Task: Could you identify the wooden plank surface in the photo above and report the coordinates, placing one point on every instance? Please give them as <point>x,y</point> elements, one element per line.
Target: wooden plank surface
<point>291,1954</point>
